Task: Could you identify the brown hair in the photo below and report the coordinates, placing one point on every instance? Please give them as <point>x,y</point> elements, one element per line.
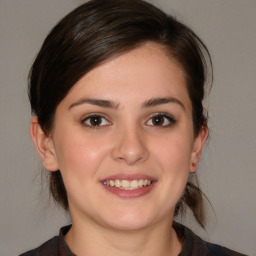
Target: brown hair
<point>102,29</point>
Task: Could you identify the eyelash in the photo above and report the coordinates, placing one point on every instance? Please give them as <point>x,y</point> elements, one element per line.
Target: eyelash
<point>89,118</point>
<point>171,121</point>
<point>165,118</point>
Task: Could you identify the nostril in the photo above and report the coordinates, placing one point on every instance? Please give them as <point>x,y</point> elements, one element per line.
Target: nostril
<point>130,157</point>
<point>130,146</point>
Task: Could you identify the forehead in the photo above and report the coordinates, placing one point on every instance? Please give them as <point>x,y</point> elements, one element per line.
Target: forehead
<point>142,73</point>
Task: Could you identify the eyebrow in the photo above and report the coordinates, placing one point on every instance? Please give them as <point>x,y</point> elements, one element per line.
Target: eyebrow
<point>96,102</point>
<point>110,104</point>
<point>159,101</point>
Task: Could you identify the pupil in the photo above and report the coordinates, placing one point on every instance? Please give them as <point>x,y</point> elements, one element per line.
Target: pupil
<point>158,120</point>
<point>95,121</point>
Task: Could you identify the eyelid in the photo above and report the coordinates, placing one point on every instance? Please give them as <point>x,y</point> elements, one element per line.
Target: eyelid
<point>99,115</point>
<point>170,118</point>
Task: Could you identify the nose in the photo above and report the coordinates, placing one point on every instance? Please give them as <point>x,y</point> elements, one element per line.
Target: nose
<point>130,147</point>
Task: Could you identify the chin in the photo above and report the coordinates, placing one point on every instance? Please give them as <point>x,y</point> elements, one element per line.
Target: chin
<point>130,221</point>
<point>129,225</point>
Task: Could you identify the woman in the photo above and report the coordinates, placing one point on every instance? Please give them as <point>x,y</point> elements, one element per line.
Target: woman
<point>116,92</point>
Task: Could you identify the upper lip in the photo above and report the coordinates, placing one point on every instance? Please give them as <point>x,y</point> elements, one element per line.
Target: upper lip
<point>125,176</point>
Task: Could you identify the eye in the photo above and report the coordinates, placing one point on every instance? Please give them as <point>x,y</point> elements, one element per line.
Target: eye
<point>161,120</point>
<point>94,121</point>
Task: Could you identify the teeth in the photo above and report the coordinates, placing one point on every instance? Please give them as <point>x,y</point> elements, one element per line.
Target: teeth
<point>134,184</point>
<point>117,183</point>
<point>126,184</point>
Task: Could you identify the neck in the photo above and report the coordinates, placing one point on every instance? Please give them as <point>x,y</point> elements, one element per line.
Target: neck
<point>159,239</point>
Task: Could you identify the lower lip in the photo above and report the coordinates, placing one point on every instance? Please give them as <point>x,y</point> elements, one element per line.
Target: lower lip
<point>135,193</point>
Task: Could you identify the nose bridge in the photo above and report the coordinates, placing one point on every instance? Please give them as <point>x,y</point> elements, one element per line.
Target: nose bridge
<point>130,144</point>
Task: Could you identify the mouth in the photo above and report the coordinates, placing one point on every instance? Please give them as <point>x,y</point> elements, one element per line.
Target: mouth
<point>128,184</point>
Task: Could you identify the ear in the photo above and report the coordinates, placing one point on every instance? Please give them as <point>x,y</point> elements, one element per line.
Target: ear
<point>44,145</point>
<point>199,142</point>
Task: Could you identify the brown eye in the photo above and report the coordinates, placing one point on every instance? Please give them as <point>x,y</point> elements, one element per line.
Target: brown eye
<point>161,120</point>
<point>158,120</point>
<point>95,121</point>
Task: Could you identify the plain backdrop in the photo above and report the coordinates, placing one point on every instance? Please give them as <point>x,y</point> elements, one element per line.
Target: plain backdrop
<point>227,170</point>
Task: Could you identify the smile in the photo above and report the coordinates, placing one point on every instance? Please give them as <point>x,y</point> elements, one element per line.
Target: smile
<point>127,184</point>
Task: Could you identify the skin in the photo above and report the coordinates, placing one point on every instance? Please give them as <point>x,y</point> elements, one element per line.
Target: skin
<point>127,142</point>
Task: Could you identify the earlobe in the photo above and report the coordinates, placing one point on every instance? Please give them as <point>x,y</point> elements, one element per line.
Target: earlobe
<point>44,145</point>
<point>198,148</point>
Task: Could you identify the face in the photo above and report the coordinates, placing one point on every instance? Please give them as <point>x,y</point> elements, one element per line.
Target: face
<point>123,140</point>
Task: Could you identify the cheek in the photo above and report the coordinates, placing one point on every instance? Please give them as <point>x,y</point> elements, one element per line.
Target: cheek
<point>80,155</point>
<point>174,152</point>
<point>80,161</point>
<point>173,159</point>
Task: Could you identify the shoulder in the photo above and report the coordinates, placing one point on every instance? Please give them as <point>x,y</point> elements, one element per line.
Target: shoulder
<point>56,246</point>
<point>193,245</point>
<point>48,248</point>
<point>214,249</point>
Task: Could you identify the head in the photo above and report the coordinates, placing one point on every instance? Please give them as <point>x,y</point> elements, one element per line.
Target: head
<point>97,32</point>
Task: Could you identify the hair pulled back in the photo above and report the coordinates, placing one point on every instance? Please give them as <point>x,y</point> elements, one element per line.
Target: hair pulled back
<point>102,29</point>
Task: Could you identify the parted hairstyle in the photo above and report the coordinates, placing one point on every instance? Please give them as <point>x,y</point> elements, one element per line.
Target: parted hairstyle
<point>102,29</point>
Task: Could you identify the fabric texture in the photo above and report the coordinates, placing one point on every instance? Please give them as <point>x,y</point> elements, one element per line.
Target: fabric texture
<point>193,245</point>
